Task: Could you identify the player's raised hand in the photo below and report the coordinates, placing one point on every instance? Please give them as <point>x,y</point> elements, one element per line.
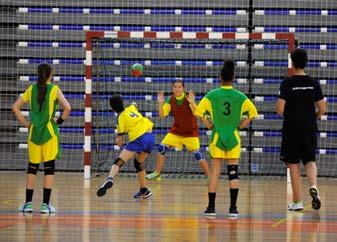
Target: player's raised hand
<point>134,103</point>
<point>190,97</point>
<point>160,97</point>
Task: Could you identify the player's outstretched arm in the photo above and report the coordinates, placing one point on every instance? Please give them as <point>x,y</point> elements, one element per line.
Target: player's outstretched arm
<point>161,100</point>
<point>191,99</point>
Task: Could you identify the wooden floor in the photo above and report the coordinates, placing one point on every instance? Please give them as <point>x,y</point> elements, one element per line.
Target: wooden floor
<point>173,213</point>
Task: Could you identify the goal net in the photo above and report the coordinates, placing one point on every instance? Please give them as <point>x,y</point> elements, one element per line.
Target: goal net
<point>196,58</point>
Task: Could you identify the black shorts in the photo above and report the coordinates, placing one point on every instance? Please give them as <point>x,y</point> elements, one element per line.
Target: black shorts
<point>297,147</point>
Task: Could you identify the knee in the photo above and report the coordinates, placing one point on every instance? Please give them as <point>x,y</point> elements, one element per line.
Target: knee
<point>119,162</point>
<point>162,149</point>
<point>232,171</point>
<point>198,156</point>
<point>138,165</point>
<point>49,167</point>
<point>32,168</point>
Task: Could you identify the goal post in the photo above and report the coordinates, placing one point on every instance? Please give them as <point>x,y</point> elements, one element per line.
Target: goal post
<point>182,53</point>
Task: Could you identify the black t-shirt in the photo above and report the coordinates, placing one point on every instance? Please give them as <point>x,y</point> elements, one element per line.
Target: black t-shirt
<point>300,93</point>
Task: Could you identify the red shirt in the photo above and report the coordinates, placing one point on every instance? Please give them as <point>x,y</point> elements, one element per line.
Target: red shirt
<point>185,123</point>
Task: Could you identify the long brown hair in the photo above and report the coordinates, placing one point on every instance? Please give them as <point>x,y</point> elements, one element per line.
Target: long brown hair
<point>44,71</point>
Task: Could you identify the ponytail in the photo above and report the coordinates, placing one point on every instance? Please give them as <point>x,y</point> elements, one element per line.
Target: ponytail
<point>227,71</point>
<point>43,71</point>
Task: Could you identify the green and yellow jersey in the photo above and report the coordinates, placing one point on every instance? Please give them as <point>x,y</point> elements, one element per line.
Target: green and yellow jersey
<point>225,106</point>
<point>43,127</point>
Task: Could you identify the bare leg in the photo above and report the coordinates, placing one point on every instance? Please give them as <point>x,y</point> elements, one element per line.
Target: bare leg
<point>30,181</point>
<point>204,167</point>
<point>295,175</point>
<point>160,163</point>
<point>215,172</point>
<point>141,175</point>
<point>203,164</point>
<point>233,186</point>
<point>48,181</point>
<point>311,171</point>
<point>125,155</point>
<point>114,170</point>
<point>212,186</point>
<point>30,184</point>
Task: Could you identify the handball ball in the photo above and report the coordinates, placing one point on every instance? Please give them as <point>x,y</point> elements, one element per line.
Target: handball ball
<point>137,69</point>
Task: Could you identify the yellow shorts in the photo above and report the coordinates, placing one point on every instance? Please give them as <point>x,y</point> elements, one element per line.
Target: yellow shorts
<point>172,140</point>
<point>45,152</point>
<point>216,152</point>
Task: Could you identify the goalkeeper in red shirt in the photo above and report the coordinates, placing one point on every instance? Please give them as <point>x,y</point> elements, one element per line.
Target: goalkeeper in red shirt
<point>184,131</point>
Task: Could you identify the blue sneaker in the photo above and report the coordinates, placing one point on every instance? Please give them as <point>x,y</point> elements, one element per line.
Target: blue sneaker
<point>26,208</point>
<point>143,195</point>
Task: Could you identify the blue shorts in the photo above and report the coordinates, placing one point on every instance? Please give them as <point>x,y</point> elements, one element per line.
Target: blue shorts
<point>143,143</point>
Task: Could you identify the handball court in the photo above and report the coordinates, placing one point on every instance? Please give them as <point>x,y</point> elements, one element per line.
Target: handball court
<point>173,213</point>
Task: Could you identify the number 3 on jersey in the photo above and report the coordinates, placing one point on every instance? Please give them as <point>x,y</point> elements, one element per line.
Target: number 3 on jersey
<point>227,107</point>
<point>133,115</point>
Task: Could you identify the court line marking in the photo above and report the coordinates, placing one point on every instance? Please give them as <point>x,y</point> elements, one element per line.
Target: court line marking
<point>283,220</point>
<point>9,202</point>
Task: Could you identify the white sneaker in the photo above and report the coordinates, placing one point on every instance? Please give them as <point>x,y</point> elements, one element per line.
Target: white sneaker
<point>298,206</point>
<point>26,208</point>
<point>47,208</point>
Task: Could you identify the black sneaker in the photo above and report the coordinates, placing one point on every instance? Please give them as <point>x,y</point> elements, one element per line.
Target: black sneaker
<point>106,185</point>
<point>233,212</point>
<point>209,211</point>
<point>146,194</point>
<point>316,202</point>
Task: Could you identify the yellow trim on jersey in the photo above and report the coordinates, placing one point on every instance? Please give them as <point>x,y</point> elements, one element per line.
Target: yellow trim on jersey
<point>167,105</point>
<point>133,123</point>
<point>249,108</point>
<point>166,109</point>
<point>204,107</point>
<point>227,87</point>
<point>173,140</point>
<point>27,94</point>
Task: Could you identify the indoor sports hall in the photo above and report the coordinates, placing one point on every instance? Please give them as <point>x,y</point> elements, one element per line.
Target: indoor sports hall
<point>91,47</point>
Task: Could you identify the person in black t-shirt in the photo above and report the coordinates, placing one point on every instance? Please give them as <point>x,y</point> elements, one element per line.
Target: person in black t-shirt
<point>301,102</point>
